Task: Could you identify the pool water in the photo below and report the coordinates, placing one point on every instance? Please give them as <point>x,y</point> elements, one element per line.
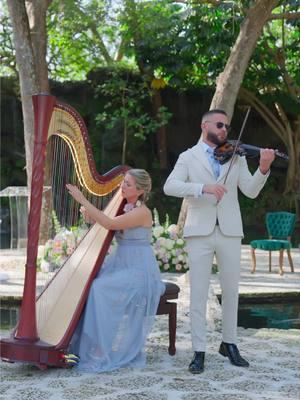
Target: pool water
<point>278,315</point>
<point>9,316</point>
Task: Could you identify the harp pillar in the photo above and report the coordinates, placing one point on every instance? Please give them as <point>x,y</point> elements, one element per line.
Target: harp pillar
<point>27,327</point>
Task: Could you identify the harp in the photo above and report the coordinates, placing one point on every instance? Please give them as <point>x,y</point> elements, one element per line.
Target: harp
<point>48,320</point>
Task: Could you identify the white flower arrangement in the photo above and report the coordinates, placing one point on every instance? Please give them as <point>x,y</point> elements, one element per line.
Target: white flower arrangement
<point>169,246</point>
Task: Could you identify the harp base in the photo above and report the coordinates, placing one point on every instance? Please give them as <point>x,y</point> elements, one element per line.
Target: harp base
<point>39,353</point>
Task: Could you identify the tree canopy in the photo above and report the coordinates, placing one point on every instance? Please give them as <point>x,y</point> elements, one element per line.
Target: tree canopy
<point>181,44</point>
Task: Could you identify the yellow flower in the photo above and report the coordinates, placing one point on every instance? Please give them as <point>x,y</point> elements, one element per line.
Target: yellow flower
<point>158,83</point>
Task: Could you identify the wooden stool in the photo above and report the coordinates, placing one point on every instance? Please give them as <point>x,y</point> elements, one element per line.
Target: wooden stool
<point>166,307</point>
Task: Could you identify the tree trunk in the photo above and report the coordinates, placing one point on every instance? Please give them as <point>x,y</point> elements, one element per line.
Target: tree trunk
<point>30,49</point>
<point>27,75</point>
<point>161,135</point>
<point>124,146</point>
<point>36,11</point>
<point>230,80</point>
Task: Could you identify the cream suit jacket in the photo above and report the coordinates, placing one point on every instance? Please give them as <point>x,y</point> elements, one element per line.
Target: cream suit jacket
<point>192,169</point>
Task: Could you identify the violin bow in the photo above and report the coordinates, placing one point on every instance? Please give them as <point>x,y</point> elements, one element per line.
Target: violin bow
<point>237,143</point>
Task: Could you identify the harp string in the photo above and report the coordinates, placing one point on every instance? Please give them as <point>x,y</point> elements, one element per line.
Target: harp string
<point>60,308</point>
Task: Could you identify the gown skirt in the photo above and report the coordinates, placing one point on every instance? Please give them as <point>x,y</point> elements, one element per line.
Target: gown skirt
<point>121,306</point>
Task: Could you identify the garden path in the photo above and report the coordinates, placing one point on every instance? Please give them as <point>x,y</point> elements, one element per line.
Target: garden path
<point>274,355</point>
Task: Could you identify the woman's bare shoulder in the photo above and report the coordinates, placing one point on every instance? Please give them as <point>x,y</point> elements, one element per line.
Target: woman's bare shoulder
<point>146,215</point>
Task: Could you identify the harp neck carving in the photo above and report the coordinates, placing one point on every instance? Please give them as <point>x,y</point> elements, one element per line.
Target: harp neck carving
<point>68,124</point>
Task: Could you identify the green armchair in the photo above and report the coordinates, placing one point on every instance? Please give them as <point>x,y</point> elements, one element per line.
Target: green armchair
<point>280,226</point>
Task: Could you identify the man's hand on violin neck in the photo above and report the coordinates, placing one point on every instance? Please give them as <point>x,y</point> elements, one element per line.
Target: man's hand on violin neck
<point>217,190</point>
<point>267,156</point>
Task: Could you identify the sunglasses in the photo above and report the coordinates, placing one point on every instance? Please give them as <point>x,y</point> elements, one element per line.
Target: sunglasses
<point>221,125</point>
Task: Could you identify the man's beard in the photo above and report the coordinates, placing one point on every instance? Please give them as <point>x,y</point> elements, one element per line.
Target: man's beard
<point>213,138</point>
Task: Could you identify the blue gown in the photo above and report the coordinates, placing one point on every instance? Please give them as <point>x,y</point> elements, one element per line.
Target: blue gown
<point>121,306</point>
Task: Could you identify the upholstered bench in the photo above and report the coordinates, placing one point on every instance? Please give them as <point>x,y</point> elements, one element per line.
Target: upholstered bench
<point>170,308</point>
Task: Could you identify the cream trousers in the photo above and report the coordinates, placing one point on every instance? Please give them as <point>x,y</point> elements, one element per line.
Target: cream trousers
<point>201,250</point>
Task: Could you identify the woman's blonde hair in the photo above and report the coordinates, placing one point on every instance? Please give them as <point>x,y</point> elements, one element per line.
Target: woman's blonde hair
<point>142,182</point>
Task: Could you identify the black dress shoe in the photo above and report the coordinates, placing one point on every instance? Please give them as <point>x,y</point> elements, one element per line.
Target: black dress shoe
<point>231,351</point>
<point>197,364</point>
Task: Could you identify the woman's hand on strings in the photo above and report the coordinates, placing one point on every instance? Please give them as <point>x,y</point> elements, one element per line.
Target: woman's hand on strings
<point>76,193</point>
<point>86,215</point>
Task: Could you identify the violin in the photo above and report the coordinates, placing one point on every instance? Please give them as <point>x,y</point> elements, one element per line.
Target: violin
<point>225,151</point>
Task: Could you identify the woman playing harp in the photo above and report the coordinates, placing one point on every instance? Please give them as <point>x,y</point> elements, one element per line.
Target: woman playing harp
<point>48,317</point>
<point>124,297</point>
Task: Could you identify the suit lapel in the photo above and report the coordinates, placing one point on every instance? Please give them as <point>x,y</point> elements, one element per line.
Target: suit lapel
<point>199,154</point>
<point>224,169</point>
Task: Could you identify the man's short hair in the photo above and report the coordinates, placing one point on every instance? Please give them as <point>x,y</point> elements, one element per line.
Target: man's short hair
<point>214,111</point>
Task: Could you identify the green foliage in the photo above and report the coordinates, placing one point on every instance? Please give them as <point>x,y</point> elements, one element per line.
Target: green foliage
<point>127,104</point>
<point>56,223</point>
<point>8,61</point>
<point>152,33</point>
<point>254,210</point>
<point>186,44</point>
<point>210,33</point>
<point>77,31</point>
<point>276,55</point>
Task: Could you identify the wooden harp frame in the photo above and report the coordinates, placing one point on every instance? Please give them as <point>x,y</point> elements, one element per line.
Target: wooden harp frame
<point>31,341</point>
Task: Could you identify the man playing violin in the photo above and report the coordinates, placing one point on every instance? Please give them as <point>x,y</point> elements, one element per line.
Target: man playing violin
<point>214,226</point>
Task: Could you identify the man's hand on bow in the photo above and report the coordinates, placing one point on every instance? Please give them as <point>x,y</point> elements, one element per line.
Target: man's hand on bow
<point>217,190</point>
